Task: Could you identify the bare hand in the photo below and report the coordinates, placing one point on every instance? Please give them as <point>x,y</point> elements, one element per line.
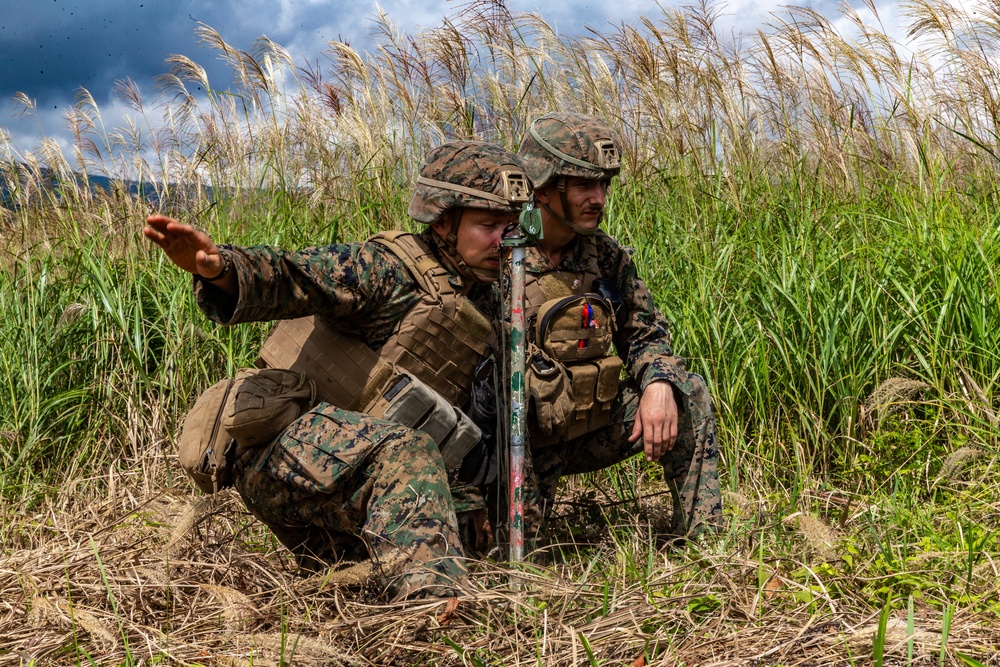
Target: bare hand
<point>656,420</point>
<point>186,247</point>
<point>484,531</point>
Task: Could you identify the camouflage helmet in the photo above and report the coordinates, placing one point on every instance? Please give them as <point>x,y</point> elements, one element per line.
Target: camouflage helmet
<point>569,144</point>
<point>468,174</point>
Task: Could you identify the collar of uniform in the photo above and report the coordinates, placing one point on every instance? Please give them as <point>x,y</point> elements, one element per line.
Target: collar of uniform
<point>577,256</point>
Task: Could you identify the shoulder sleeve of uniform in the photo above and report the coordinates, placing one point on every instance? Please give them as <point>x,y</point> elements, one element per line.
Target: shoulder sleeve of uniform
<point>338,281</point>
<point>643,331</point>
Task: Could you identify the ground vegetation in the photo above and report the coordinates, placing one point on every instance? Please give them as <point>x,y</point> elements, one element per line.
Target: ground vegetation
<point>814,207</point>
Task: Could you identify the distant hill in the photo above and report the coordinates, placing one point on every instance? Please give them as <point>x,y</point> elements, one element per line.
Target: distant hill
<point>133,188</point>
<point>136,189</point>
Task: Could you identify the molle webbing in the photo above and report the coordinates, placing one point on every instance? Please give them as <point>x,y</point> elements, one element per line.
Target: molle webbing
<point>347,372</point>
<point>556,284</point>
<point>443,338</point>
<point>440,341</point>
<point>358,379</point>
<point>593,380</point>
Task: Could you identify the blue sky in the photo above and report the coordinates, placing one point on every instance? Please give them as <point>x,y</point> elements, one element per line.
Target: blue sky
<point>50,48</point>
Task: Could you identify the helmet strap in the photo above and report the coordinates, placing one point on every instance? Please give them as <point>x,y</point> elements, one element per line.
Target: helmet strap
<point>449,247</point>
<point>456,221</point>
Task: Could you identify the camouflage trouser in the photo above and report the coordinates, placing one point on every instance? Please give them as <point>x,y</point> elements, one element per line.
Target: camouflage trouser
<point>690,469</point>
<point>337,483</point>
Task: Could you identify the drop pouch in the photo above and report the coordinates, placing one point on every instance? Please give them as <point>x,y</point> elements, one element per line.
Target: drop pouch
<point>264,401</point>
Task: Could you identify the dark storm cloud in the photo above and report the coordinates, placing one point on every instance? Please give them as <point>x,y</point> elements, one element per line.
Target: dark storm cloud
<point>52,47</point>
<point>49,48</point>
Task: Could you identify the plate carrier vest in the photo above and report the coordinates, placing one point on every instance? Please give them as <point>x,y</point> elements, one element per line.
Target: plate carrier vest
<point>570,326</point>
<point>423,374</point>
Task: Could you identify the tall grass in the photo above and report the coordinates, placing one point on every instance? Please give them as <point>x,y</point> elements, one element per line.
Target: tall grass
<point>798,311</point>
<point>813,210</point>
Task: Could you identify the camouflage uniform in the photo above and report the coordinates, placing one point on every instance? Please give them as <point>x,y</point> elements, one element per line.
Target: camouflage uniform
<point>359,288</point>
<point>643,339</point>
<point>562,145</point>
<point>336,475</point>
<point>337,484</point>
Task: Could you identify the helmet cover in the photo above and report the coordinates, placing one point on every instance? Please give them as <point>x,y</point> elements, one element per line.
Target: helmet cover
<point>569,144</point>
<point>468,174</point>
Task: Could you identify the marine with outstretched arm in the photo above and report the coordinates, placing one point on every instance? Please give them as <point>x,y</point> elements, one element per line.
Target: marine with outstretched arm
<point>342,483</point>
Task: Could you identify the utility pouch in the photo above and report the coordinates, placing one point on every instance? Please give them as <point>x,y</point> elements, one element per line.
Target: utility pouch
<point>264,401</point>
<point>583,377</point>
<point>203,446</point>
<point>402,401</point>
<point>439,422</point>
<point>460,442</point>
<point>575,327</point>
<point>410,402</point>
<point>609,370</point>
<point>550,396</point>
<point>595,385</point>
<point>571,399</point>
<point>235,415</point>
<point>608,377</point>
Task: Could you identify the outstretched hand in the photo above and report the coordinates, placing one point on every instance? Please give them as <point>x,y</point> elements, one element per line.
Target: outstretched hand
<point>193,251</point>
<point>656,421</point>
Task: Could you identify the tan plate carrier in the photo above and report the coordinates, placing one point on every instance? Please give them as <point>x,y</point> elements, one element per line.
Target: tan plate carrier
<point>351,375</point>
<point>442,340</point>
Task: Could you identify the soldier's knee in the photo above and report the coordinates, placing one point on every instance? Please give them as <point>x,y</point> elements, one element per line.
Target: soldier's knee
<point>699,399</point>
<point>412,445</point>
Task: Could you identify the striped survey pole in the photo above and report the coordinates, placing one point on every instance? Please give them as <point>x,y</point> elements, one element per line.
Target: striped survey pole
<point>518,412</point>
<point>527,232</point>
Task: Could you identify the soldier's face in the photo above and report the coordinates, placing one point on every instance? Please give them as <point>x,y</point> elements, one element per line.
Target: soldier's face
<point>479,236</point>
<point>585,200</point>
<point>478,242</point>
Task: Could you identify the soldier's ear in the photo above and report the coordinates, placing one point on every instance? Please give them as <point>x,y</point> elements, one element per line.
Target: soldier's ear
<point>543,195</point>
<point>440,227</point>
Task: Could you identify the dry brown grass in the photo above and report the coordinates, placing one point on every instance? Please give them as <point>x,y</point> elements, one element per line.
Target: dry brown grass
<point>149,574</point>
